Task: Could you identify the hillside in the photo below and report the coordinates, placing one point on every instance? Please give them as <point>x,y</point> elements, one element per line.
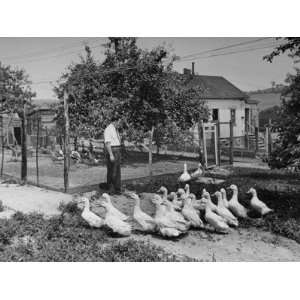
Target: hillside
<point>267,100</point>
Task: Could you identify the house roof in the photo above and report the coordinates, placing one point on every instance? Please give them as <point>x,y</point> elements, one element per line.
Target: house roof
<point>217,87</point>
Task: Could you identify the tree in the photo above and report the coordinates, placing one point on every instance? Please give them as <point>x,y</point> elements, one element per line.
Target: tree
<point>135,85</point>
<point>286,150</point>
<point>16,96</point>
<point>289,44</point>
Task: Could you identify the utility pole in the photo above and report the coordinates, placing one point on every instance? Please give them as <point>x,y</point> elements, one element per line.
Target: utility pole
<point>66,143</point>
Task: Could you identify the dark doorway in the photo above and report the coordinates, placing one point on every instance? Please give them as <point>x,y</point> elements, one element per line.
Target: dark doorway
<point>247,119</point>
<point>17,133</point>
<point>215,114</point>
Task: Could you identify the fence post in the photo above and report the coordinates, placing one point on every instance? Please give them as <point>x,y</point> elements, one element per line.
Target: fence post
<point>66,144</point>
<point>231,142</point>
<point>267,141</point>
<point>2,139</point>
<point>150,152</point>
<point>218,142</point>
<point>256,139</point>
<point>200,142</point>
<point>37,151</point>
<point>204,144</point>
<point>24,144</point>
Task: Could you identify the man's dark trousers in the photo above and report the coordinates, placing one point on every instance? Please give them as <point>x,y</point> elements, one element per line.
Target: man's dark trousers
<point>114,170</point>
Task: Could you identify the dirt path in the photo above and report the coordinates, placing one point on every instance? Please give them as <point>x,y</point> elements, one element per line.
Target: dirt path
<point>240,245</point>
<point>249,244</point>
<point>29,199</point>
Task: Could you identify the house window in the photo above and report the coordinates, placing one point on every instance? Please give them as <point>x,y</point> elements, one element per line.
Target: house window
<point>215,114</point>
<point>233,116</point>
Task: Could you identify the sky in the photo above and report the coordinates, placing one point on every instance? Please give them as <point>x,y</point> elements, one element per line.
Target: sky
<point>45,59</point>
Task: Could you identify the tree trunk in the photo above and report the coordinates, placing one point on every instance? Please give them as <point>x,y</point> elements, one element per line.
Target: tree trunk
<point>66,145</point>
<point>2,143</point>
<point>150,152</point>
<point>23,147</point>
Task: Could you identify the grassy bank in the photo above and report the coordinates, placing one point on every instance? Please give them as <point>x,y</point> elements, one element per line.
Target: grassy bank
<point>68,238</point>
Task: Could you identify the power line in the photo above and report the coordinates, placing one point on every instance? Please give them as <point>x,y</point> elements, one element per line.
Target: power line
<point>55,56</point>
<point>228,53</point>
<point>225,47</point>
<point>42,53</point>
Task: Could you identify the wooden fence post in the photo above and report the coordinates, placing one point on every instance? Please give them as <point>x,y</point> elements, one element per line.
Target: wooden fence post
<point>204,145</point>
<point>66,144</point>
<point>267,141</point>
<point>37,151</point>
<point>2,140</point>
<point>218,132</point>
<point>256,139</point>
<point>24,145</point>
<point>150,152</point>
<point>231,143</point>
<point>200,134</point>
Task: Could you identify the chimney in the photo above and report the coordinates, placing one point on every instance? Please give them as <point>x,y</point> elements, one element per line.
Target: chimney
<point>193,68</point>
<point>186,71</point>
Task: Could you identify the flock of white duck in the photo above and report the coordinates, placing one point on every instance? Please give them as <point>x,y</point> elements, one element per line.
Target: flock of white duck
<point>176,212</point>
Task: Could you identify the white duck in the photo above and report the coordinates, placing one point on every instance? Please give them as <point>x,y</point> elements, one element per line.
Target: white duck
<point>235,206</point>
<point>224,197</point>
<point>187,190</point>
<point>185,176</point>
<point>172,213</point>
<point>164,191</point>
<point>191,214</point>
<point>199,172</point>
<point>257,204</point>
<point>206,195</point>
<point>216,221</point>
<point>145,221</point>
<point>224,212</point>
<point>181,194</point>
<point>111,220</point>
<point>163,218</point>
<point>176,203</point>
<point>91,218</point>
<point>114,210</point>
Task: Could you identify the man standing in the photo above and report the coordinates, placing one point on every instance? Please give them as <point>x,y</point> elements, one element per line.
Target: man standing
<point>113,157</point>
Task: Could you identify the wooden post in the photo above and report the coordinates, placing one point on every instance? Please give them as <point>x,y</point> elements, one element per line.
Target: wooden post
<point>231,143</point>
<point>2,140</point>
<point>66,144</point>
<point>200,135</point>
<point>267,141</point>
<point>150,152</point>
<point>37,151</point>
<point>24,145</point>
<point>218,133</point>
<point>270,138</point>
<point>204,145</point>
<point>256,139</point>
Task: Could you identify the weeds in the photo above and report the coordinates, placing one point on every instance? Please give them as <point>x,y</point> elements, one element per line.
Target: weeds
<point>32,238</point>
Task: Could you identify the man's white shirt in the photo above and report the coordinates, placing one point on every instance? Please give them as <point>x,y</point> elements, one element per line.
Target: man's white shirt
<point>111,135</point>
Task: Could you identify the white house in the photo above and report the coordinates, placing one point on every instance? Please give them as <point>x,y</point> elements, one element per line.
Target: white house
<point>227,102</point>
